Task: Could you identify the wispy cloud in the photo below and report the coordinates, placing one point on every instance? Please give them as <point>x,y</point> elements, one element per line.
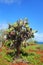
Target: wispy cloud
<point>39,37</point>
<point>11,1</point>
<point>3,26</point>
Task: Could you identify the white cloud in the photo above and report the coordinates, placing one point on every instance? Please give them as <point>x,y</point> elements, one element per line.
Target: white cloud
<point>39,37</point>
<point>3,26</point>
<point>11,1</point>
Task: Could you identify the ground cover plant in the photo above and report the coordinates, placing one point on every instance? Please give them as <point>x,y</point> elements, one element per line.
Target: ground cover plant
<point>34,56</point>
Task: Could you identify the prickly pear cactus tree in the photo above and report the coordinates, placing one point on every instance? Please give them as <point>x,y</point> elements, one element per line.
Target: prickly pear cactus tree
<point>17,34</point>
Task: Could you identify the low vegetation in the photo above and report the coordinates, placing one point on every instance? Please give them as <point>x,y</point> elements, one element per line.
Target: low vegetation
<point>32,55</point>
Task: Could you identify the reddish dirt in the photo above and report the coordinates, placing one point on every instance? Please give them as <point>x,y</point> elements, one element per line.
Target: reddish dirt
<point>20,63</point>
<point>41,59</point>
<point>0,50</point>
<point>41,56</point>
<point>39,52</point>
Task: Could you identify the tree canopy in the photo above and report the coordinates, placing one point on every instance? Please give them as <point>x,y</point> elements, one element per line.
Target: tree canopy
<point>18,33</point>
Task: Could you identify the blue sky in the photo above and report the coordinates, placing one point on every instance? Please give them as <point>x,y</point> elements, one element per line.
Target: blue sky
<point>12,10</point>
